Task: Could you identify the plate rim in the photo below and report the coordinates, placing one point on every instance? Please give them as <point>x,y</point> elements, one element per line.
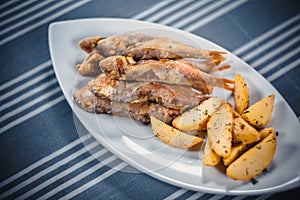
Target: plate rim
<point>286,186</point>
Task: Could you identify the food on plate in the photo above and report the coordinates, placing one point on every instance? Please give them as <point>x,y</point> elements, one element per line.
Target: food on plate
<point>242,131</point>
<point>197,117</point>
<point>240,94</point>
<point>174,137</point>
<point>210,158</point>
<point>254,161</point>
<point>141,47</point>
<point>208,66</point>
<point>88,44</point>
<point>259,114</point>
<point>112,45</point>
<point>165,48</point>
<point>265,132</point>
<point>136,111</point>
<point>236,151</point>
<point>165,71</point>
<point>171,96</point>
<point>219,130</point>
<point>90,65</point>
<point>170,85</point>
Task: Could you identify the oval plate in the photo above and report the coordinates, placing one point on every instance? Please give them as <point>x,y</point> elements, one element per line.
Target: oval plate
<point>135,144</point>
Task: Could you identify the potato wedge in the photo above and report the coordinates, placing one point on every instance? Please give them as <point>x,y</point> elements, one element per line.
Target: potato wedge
<point>236,151</point>
<point>243,132</point>
<point>254,161</point>
<point>240,94</point>
<point>265,132</point>
<point>174,137</point>
<point>219,130</point>
<point>210,158</point>
<point>260,113</point>
<point>197,117</point>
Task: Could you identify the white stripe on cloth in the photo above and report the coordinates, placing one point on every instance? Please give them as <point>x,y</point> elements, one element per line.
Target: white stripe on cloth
<point>284,70</point>
<point>31,9</point>
<point>25,75</point>
<point>70,170</point>
<point>15,8</point>
<point>280,60</point>
<point>46,159</point>
<point>197,195</point>
<point>271,43</point>
<point>152,9</point>
<point>93,182</point>
<point>33,17</point>
<point>27,84</point>
<point>274,52</point>
<point>168,10</point>
<point>181,13</point>
<point>32,113</point>
<point>30,104</point>
<point>176,194</point>
<point>56,165</point>
<point>43,21</point>
<point>196,16</point>
<point>215,15</point>
<point>266,35</point>
<point>8,3</point>
<point>28,94</point>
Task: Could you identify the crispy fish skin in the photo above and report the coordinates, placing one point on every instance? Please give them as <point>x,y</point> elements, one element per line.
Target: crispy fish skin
<point>89,44</point>
<point>136,111</point>
<point>166,48</point>
<point>141,46</point>
<point>90,65</point>
<point>171,96</point>
<point>119,44</point>
<point>164,71</point>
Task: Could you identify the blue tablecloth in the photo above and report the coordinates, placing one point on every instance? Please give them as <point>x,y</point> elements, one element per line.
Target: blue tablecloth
<point>41,153</point>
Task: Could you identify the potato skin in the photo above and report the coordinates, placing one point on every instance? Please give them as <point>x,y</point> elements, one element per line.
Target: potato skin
<point>219,130</point>
<point>197,117</point>
<point>254,161</point>
<point>243,132</point>
<point>259,114</point>
<point>210,158</point>
<point>173,136</point>
<point>240,94</point>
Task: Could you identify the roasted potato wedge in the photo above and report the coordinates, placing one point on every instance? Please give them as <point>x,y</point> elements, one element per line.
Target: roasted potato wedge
<point>197,117</point>
<point>210,158</point>
<point>219,130</point>
<point>260,113</point>
<point>254,161</point>
<point>243,132</point>
<point>236,151</point>
<point>240,94</point>
<point>265,132</point>
<point>173,136</point>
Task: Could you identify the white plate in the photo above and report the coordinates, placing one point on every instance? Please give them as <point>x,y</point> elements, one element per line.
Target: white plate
<point>135,144</point>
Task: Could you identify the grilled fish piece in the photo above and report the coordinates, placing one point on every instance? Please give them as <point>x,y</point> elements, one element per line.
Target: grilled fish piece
<point>171,96</point>
<point>141,46</point>
<point>90,65</point>
<point>165,48</point>
<point>136,111</point>
<point>119,44</point>
<point>88,44</point>
<point>164,71</point>
<point>207,67</point>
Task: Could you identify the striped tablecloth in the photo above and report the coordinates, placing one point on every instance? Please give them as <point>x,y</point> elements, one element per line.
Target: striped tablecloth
<point>41,153</point>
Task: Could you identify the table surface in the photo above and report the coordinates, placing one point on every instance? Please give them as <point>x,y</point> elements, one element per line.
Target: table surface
<point>43,156</point>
